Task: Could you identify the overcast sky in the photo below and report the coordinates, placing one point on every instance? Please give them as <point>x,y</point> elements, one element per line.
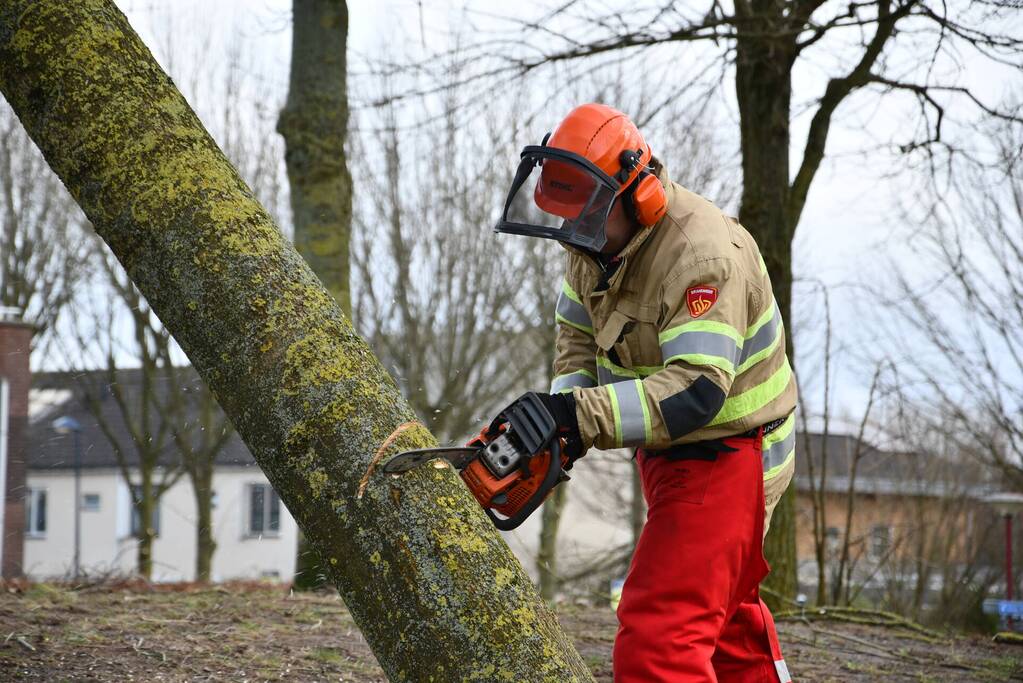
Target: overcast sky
<point>851,222</point>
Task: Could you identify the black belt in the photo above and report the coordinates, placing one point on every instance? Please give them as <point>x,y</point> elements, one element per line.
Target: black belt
<point>708,450</point>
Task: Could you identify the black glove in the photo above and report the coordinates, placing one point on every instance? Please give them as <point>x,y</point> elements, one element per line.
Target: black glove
<point>562,409</point>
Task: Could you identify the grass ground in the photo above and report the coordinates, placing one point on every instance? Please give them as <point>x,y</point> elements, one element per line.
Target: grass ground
<point>246,632</point>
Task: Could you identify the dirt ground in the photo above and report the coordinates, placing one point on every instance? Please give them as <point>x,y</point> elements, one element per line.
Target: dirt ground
<point>257,632</point>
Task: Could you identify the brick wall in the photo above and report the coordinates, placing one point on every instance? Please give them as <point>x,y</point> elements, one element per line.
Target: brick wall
<point>15,339</point>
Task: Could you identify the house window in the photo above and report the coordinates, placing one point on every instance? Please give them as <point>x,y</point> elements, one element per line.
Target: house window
<point>880,541</point>
<point>154,522</point>
<point>35,513</point>
<point>90,502</point>
<point>264,516</point>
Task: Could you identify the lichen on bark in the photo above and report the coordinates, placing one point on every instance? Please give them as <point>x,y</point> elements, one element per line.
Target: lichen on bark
<point>432,586</point>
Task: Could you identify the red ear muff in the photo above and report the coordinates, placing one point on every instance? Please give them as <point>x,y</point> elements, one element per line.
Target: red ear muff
<point>649,199</point>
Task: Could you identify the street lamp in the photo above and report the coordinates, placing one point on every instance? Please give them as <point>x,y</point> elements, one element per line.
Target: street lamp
<point>1007,504</point>
<point>65,425</point>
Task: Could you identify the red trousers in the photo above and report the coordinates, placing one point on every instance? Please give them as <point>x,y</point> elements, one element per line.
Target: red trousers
<point>690,610</point>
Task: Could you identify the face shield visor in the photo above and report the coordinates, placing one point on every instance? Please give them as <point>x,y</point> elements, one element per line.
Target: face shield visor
<point>559,195</point>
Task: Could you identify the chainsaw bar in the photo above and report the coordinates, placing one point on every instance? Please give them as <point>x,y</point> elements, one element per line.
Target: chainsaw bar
<point>458,456</point>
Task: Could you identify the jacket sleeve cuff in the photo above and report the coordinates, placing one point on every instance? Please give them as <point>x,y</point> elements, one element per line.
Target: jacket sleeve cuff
<point>614,415</point>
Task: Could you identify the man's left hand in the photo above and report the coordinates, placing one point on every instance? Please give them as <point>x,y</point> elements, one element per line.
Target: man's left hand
<point>562,409</point>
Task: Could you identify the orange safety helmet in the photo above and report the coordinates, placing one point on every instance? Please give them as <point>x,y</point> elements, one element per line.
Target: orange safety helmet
<point>594,156</point>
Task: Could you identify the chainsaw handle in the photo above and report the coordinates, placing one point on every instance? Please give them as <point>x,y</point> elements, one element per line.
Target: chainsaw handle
<point>552,479</point>
<point>535,427</point>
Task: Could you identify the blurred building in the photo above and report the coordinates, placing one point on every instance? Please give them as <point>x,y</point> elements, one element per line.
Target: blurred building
<point>905,520</point>
<point>255,535</point>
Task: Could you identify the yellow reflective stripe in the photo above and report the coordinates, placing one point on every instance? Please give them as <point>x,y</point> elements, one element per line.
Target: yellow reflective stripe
<point>762,338</point>
<point>774,471</point>
<point>754,398</point>
<point>712,326</point>
<point>759,355</point>
<point>620,372</point>
<point>647,425</point>
<point>617,415</point>
<point>609,373</point>
<point>704,359</point>
<point>763,265</point>
<point>569,292</point>
<point>582,328</point>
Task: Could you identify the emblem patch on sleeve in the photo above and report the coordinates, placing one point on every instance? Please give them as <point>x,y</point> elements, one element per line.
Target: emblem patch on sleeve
<point>700,299</point>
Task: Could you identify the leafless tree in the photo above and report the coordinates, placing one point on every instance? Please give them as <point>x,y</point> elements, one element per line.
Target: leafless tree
<point>111,333</point>
<point>961,301</point>
<point>461,316</point>
<point>201,430</point>
<point>41,231</point>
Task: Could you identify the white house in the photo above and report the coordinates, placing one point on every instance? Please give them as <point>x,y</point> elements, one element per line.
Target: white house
<point>255,535</point>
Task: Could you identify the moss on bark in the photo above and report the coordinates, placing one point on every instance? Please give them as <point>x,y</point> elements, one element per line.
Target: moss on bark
<point>431,584</point>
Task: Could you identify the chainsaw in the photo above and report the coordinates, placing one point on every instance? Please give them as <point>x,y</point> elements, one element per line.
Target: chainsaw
<point>510,468</point>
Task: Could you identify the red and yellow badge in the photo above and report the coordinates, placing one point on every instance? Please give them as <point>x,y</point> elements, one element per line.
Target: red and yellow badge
<point>700,299</point>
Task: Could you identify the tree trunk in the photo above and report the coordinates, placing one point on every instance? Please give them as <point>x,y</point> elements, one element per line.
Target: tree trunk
<point>547,554</point>
<point>205,543</point>
<point>146,533</point>
<point>314,123</point>
<point>764,90</point>
<point>430,583</point>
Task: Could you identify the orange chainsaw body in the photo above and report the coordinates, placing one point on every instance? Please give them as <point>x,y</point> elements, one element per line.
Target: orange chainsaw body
<point>517,487</point>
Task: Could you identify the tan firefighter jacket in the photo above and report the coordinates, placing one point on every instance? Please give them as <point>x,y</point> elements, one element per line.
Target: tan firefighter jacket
<point>681,342</point>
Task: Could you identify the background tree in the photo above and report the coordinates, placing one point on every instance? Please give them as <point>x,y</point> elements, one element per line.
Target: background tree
<point>137,415</point>
<point>201,430</point>
<point>314,124</point>
<point>759,44</point>
<point>963,300</point>
<point>42,244</point>
<point>304,392</point>
<point>458,313</point>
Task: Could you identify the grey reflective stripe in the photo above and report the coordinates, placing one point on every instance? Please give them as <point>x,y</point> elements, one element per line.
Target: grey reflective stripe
<point>571,311</point>
<point>579,378</point>
<point>783,671</point>
<point>762,340</point>
<point>778,452</point>
<point>694,345</point>
<point>609,376</point>
<point>632,417</point>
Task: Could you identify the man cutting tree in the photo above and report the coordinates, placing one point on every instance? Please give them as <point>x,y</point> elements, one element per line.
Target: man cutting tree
<point>669,341</point>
